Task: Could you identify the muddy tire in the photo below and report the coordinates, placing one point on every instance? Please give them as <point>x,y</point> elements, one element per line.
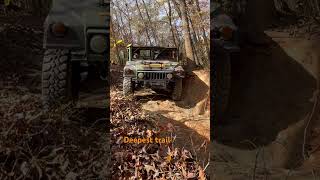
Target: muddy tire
<point>128,86</point>
<point>222,85</point>
<point>60,78</point>
<point>177,90</point>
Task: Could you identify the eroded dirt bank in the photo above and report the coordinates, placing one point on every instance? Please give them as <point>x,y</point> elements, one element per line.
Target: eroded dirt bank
<point>272,98</point>
<point>193,110</point>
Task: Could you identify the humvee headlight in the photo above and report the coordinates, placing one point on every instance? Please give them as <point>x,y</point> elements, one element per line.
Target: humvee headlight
<point>169,76</point>
<point>98,43</point>
<point>140,75</point>
<point>58,29</point>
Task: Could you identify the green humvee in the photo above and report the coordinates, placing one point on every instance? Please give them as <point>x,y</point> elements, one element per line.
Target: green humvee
<point>76,40</point>
<point>154,67</point>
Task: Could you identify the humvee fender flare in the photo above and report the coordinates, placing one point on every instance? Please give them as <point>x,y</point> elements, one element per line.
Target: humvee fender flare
<point>51,42</point>
<point>70,40</point>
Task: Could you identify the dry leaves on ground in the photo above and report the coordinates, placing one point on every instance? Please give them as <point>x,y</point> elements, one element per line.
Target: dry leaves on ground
<point>145,160</point>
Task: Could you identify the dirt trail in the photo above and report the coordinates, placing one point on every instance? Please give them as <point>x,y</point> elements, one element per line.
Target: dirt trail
<point>189,117</point>
<point>193,110</point>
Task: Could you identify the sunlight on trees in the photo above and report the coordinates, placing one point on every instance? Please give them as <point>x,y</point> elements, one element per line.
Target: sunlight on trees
<point>163,23</point>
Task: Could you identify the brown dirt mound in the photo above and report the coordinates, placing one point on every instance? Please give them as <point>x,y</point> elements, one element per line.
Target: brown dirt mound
<point>193,110</point>
<point>196,92</point>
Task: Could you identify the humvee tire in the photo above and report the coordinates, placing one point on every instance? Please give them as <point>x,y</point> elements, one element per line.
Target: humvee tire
<point>128,86</point>
<point>177,90</point>
<point>222,84</point>
<point>60,78</point>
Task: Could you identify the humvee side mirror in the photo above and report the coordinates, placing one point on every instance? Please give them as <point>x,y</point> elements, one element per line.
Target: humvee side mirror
<point>129,51</point>
<point>121,55</point>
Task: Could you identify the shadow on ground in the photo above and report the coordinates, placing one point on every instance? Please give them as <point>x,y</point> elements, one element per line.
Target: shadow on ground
<point>186,138</point>
<point>91,116</point>
<point>270,91</point>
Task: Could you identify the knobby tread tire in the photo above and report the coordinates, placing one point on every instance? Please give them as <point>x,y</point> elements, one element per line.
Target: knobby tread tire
<point>57,78</point>
<point>177,90</point>
<point>128,86</point>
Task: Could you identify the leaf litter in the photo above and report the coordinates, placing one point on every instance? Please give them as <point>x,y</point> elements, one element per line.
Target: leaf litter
<point>38,145</point>
<point>145,160</point>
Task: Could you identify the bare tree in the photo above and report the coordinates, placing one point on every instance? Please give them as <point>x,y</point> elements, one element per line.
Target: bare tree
<point>150,23</point>
<point>141,16</point>
<point>187,36</point>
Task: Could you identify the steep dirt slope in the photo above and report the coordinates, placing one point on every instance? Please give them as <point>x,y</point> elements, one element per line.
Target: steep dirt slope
<point>272,96</point>
<point>193,110</point>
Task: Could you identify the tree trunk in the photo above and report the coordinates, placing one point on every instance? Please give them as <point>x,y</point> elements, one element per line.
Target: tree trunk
<point>169,14</point>
<point>194,40</point>
<point>205,38</point>
<point>187,37</point>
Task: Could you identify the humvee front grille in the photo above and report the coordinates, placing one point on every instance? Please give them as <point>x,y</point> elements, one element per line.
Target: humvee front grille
<point>154,75</point>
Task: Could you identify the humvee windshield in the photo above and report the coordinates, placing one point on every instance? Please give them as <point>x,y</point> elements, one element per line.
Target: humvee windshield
<point>154,54</point>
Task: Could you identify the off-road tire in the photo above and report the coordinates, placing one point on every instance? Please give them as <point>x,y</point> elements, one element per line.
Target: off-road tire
<point>60,78</point>
<point>222,85</point>
<point>128,86</point>
<point>177,90</point>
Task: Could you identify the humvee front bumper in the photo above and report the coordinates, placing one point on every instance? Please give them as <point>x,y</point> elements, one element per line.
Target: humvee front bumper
<point>83,56</point>
<point>155,79</point>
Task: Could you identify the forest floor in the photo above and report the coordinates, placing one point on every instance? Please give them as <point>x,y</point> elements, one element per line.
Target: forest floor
<point>66,143</point>
<point>188,119</point>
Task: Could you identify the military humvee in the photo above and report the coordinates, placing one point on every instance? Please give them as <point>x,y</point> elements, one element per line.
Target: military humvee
<point>76,40</point>
<point>157,68</point>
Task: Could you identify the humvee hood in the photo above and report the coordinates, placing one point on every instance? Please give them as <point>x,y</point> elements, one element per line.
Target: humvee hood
<point>77,16</point>
<point>153,64</point>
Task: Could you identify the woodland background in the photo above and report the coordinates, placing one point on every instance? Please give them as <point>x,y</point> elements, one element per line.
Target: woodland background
<point>170,23</point>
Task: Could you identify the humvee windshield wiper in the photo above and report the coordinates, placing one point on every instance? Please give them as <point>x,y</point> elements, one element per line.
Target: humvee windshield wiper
<point>136,50</point>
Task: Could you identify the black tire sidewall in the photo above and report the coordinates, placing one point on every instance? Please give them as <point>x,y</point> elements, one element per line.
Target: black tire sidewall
<point>177,89</point>
<point>60,78</point>
<point>127,86</point>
